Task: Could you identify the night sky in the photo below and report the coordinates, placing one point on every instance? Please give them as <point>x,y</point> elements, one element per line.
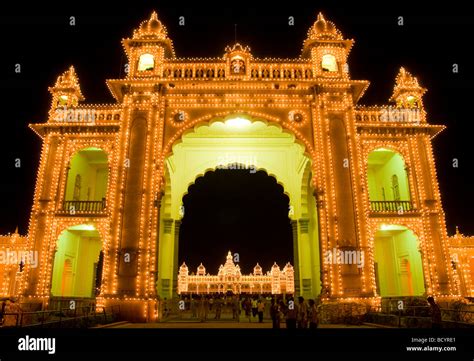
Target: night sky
<point>428,44</point>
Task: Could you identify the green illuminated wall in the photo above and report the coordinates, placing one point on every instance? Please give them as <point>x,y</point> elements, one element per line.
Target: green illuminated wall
<point>382,164</point>
<point>91,165</point>
<point>308,240</point>
<point>81,246</point>
<point>392,249</point>
<point>265,146</point>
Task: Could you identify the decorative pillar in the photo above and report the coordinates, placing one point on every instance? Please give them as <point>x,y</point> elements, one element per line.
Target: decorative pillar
<point>177,225</point>
<point>305,257</point>
<point>132,198</point>
<point>294,228</point>
<point>41,214</point>
<point>347,282</point>
<point>434,221</point>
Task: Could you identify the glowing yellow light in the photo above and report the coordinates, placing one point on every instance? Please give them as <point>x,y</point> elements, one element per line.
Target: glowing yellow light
<point>63,99</point>
<point>238,122</point>
<point>329,63</point>
<point>146,62</point>
<point>83,227</point>
<point>392,227</point>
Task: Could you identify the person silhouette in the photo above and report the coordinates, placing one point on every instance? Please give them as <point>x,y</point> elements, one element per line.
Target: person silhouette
<point>435,313</point>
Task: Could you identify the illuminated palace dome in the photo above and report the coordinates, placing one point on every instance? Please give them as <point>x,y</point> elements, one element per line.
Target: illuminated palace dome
<point>151,40</point>
<point>323,29</point>
<point>151,28</point>
<point>230,278</point>
<point>229,269</point>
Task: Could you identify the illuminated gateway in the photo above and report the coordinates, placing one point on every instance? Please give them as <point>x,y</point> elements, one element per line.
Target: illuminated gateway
<point>360,179</point>
<point>229,278</point>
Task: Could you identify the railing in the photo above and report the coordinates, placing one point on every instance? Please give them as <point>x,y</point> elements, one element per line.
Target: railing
<point>391,206</point>
<point>86,115</point>
<point>398,312</point>
<point>389,114</point>
<point>194,72</point>
<point>78,207</point>
<point>416,316</point>
<point>280,72</point>
<point>64,317</point>
<point>257,71</point>
<point>458,316</point>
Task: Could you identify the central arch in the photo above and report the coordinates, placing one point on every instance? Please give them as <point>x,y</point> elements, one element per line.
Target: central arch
<point>239,210</point>
<point>256,144</point>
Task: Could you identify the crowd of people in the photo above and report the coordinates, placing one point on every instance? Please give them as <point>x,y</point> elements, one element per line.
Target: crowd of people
<point>296,314</point>
<point>300,314</point>
<point>204,307</point>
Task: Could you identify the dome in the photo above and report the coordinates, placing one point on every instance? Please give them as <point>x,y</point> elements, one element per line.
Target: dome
<point>323,29</point>
<point>68,82</point>
<point>154,24</point>
<point>183,268</point>
<point>257,270</point>
<point>151,28</point>
<point>201,270</point>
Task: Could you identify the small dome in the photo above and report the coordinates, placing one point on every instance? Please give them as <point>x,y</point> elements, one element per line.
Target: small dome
<point>323,29</point>
<point>151,28</point>
<point>257,270</point>
<point>154,24</point>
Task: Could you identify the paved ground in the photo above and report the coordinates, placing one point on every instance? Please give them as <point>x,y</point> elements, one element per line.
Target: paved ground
<point>184,320</point>
<point>218,324</point>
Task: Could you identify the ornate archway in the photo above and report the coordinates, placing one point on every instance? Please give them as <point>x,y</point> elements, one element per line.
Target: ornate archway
<point>258,145</point>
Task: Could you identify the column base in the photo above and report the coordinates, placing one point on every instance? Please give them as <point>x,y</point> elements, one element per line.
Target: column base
<point>132,309</point>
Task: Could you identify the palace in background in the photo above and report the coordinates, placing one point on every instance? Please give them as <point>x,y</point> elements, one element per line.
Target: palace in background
<point>230,279</point>
<point>107,206</point>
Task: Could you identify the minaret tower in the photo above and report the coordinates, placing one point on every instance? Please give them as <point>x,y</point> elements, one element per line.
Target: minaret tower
<point>327,49</point>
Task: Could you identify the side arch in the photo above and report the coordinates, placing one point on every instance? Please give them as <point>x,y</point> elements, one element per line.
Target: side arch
<point>398,261</point>
<point>87,178</point>
<point>387,181</point>
<point>75,263</point>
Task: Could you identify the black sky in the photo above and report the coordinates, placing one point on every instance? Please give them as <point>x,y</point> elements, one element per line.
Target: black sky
<point>42,41</point>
